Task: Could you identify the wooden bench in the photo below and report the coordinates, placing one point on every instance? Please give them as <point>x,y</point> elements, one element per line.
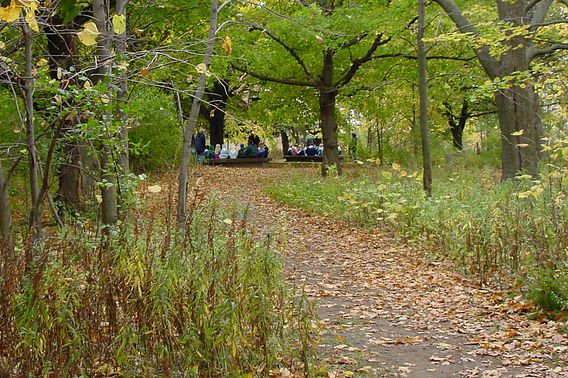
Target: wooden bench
<point>240,162</point>
<point>305,158</point>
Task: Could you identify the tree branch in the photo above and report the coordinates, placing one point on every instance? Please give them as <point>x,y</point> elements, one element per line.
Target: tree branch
<point>357,63</point>
<point>273,79</point>
<point>290,50</point>
<point>535,52</point>
<point>354,41</point>
<point>489,64</point>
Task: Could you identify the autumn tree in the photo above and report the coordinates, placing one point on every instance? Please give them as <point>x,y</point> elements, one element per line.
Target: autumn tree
<point>506,46</point>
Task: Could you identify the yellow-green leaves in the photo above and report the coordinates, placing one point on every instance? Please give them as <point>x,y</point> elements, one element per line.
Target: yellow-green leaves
<point>13,11</point>
<point>202,69</point>
<point>518,133</point>
<point>88,36</point>
<point>119,23</point>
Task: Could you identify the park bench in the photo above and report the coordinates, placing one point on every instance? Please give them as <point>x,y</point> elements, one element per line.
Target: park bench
<point>305,158</point>
<point>240,162</point>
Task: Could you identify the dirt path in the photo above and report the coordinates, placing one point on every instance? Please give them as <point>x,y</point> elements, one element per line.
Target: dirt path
<point>387,311</point>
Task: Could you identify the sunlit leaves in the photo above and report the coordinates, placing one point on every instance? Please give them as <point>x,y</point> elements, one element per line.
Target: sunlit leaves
<point>88,36</point>
<point>13,11</point>
<point>227,45</point>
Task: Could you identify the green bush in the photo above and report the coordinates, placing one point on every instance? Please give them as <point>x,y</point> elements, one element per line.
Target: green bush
<point>548,289</point>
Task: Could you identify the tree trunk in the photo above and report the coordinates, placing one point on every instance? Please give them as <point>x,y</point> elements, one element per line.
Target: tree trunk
<point>109,208</point>
<point>6,237</point>
<point>35,214</point>
<point>516,105</point>
<point>423,90</point>
<point>181,215</point>
<point>123,91</point>
<point>327,98</point>
<point>218,100</point>
<point>457,128</point>
<point>285,141</point>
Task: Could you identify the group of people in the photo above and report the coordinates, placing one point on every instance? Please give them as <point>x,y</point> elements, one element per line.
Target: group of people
<point>254,149</point>
<point>309,150</point>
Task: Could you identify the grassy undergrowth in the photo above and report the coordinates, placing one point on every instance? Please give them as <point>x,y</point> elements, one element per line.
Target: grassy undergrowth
<point>140,302</point>
<point>509,233</point>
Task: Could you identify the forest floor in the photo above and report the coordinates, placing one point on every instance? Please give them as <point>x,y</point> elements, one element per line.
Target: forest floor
<point>387,310</point>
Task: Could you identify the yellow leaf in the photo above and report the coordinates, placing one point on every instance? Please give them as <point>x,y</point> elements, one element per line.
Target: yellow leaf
<point>522,145</point>
<point>11,12</point>
<point>518,133</point>
<point>227,221</point>
<point>395,166</point>
<point>202,69</point>
<point>105,99</point>
<point>89,34</point>
<point>119,23</point>
<point>227,45</point>
<point>145,72</point>
<point>155,189</point>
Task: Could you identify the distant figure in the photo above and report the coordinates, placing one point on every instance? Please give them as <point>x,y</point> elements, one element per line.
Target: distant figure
<point>207,153</point>
<point>262,150</point>
<point>233,153</point>
<point>311,150</point>
<point>253,139</point>
<point>224,154</point>
<point>241,152</point>
<point>251,151</point>
<point>217,151</point>
<point>199,145</point>
<point>320,149</point>
<point>353,146</point>
<point>294,150</point>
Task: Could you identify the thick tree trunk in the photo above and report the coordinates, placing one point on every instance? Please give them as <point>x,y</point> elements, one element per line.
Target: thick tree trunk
<point>218,100</point>
<point>35,214</point>
<point>285,141</point>
<point>423,90</point>
<point>457,128</point>
<point>181,215</point>
<point>327,99</point>
<point>516,111</point>
<point>6,237</point>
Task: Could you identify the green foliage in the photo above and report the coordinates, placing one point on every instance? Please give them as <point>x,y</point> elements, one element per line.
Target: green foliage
<point>155,141</point>
<point>548,289</point>
<point>140,302</point>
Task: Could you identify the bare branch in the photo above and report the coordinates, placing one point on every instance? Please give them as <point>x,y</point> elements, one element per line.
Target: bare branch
<point>358,38</point>
<point>357,63</point>
<point>535,52</point>
<point>273,79</point>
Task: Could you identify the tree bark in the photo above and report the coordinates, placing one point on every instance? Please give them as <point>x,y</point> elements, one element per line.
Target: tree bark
<point>123,90</point>
<point>327,100</point>
<point>423,90</point>
<point>181,215</point>
<point>216,113</point>
<point>35,214</point>
<point>109,210</point>
<point>285,141</point>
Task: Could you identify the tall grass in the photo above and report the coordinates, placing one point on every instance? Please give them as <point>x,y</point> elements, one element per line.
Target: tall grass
<point>139,301</point>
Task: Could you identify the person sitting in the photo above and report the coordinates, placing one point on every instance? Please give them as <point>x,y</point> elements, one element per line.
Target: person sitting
<point>207,152</point>
<point>217,151</point>
<point>320,149</point>
<point>241,152</point>
<point>232,153</point>
<point>311,150</point>
<point>294,150</point>
<point>302,152</point>
<point>262,150</point>
<point>251,151</point>
<point>224,154</point>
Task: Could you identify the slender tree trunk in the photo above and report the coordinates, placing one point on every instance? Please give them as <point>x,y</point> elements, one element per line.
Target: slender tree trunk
<point>6,237</point>
<point>35,215</point>
<point>108,191</point>
<point>380,144</point>
<point>181,215</point>
<point>123,91</point>
<point>423,89</point>
<point>327,99</point>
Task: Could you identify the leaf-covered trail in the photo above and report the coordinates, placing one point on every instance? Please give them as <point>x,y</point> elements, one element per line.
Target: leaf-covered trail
<point>386,310</point>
